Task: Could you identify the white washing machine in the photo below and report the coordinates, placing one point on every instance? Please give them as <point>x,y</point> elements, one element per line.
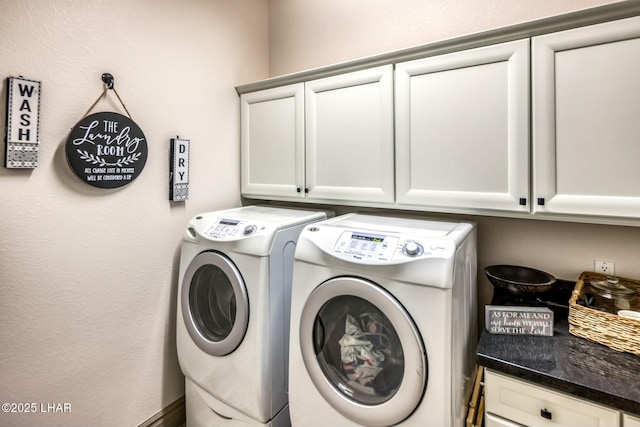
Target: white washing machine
<point>383,322</point>
<point>233,314</point>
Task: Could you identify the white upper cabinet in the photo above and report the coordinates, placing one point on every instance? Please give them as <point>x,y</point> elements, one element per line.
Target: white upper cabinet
<point>462,130</point>
<point>586,120</point>
<point>343,123</point>
<point>547,126</point>
<point>272,142</point>
<point>349,136</point>
<point>630,421</point>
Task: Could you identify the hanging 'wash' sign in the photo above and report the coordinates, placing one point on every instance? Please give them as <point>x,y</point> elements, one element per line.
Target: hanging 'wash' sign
<point>106,150</point>
<point>23,123</point>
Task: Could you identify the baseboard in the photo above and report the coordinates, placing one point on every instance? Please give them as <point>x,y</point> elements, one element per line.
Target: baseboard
<point>172,415</point>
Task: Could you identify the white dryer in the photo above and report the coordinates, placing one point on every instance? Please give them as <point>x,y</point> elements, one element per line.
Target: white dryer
<point>383,322</point>
<point>233,314</point>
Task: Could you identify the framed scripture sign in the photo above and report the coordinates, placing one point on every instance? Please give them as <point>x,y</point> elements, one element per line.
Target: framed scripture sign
<point>23,123</point>
<point>106,150</point>
<point>518,320</point>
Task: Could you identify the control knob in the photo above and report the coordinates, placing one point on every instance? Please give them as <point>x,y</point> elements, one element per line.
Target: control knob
<point>412,248</point>
<point>249,229</point>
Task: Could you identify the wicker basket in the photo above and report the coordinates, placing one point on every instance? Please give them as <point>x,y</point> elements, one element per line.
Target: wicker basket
<point>616,332</point>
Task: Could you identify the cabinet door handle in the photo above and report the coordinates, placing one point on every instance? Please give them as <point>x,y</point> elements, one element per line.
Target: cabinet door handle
<point>299,190</point>
<point>541,201</point>
<point>523,201</point>
<point>544,413</point>
<point>306,190</point>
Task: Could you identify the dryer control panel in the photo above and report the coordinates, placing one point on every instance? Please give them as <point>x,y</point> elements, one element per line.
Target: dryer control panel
<point>357,246</point>
<point>365,246</point>
<point>232,229</point>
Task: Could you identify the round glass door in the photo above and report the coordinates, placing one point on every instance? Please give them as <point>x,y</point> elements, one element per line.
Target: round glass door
<point>358,349</point>
<point>362,351</point>
<point>215,306</point>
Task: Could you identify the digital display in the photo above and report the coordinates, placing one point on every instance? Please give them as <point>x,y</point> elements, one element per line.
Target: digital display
<point>368,237</point>
<point>362,247</point>
<point>228,222</point>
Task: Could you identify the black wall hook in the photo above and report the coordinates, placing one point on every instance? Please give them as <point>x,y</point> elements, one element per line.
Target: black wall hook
<point>108,80</point>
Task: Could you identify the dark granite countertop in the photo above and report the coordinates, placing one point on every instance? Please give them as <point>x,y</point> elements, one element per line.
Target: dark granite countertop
<point>566,363</point>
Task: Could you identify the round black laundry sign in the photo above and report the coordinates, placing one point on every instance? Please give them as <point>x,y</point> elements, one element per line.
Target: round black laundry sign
<point>106,150</point>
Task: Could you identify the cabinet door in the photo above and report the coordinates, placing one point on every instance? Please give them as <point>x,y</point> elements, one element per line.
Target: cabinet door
<point>272,142</point>
<point>462,129</point>
<point>630,421</point>
<point>349,136</point>
<point>527,404</point>
<point>493,421</point>
<point>586,126</point>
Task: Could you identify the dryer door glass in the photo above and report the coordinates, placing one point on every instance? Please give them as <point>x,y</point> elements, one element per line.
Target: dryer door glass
<point>214,303</point>
<point>362,351</point>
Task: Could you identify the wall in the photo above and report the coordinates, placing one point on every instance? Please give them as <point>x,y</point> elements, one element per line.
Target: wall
<point>88,276</point>
<point>305,35</point>
<point>310,34</point>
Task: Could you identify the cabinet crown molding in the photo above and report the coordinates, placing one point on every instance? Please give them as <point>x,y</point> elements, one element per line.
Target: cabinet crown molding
<point>595,15</point>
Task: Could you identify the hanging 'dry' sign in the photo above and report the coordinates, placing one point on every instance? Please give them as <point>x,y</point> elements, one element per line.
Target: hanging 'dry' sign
<point>106,150</point>
<point>179,170</point>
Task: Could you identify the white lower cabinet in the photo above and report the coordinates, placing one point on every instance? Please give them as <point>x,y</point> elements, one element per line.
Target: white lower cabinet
<point>512,402</point>
<point>491,420</point>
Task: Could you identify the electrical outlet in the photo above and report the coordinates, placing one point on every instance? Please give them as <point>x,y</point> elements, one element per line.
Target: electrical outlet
<point>604,267</point>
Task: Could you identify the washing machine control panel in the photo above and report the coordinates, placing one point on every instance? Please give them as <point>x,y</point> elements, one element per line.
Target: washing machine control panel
<point>232,229</point>
<point>372,248</point>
